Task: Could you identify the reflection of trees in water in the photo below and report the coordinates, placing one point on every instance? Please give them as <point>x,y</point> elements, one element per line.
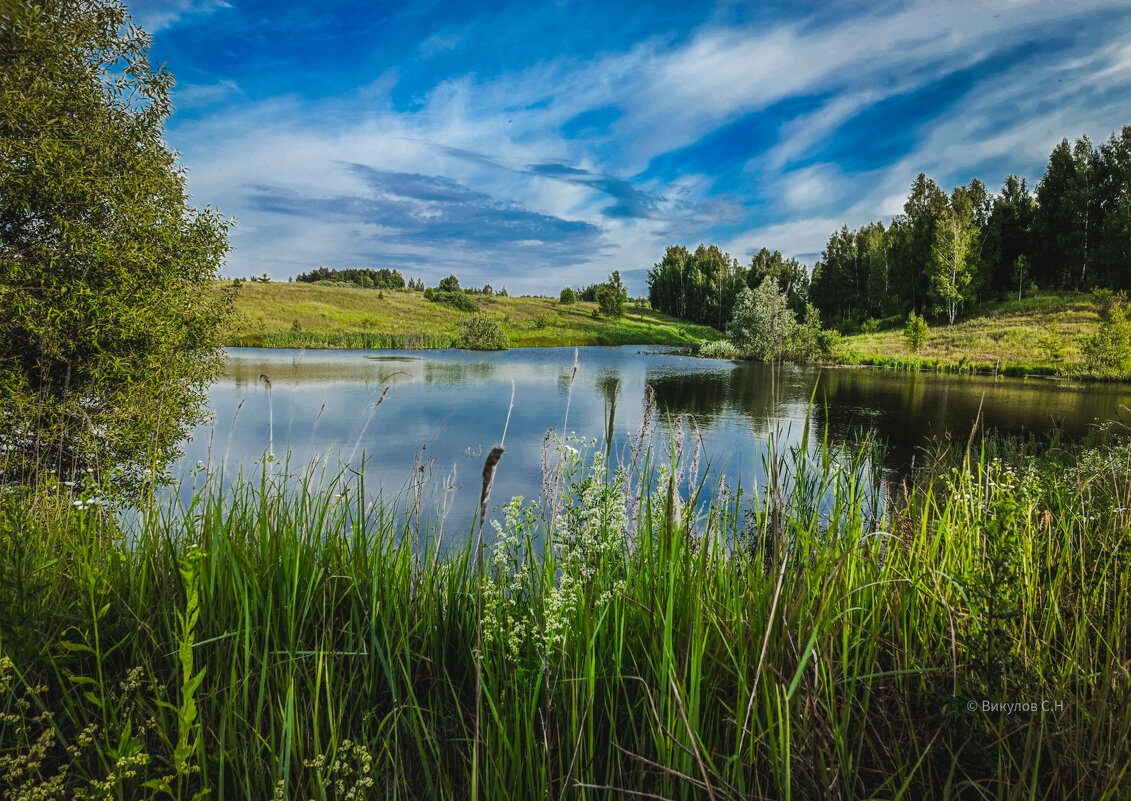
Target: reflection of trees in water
<point>456,373</point>
<point>292,375</point>
<point>707,396</point>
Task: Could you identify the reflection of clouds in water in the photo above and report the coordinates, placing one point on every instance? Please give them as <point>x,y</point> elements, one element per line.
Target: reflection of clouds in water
<point>456,403</point>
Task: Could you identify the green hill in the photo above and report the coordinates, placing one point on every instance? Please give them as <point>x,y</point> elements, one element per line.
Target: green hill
<point>1013,336</point>
<point>295,315</point>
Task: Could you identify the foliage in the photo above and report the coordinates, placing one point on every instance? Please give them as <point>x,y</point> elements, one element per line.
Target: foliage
<point>611,297</point>
<point>449,284</point>
<point>1052,343</point>
<point>703,286</point>
<point>457,300</point>
<point>624,623</point>
<point>762,323</point>
<point>812,342</point>
<point>365,278</point>
<point>1108,351</point>
<point>568,297</point>
<point>718,350</point>
<point>915,332</point>
<point>482,332</point>
<point>110,334</point>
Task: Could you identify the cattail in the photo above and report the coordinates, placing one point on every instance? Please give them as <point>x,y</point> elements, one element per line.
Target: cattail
<point>489,466</point>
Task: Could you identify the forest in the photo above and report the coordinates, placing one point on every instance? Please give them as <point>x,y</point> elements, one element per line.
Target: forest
<point>944,253</point>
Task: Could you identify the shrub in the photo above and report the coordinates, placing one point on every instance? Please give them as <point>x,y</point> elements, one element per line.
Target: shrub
<point>1052,343</point>
<point>542,321</point>
<point>870,326</point>
<point>915,333</point>
<point>718,350</point>
<point>449,284</point>
<point>457,300</point>
<point>810,342</point>
<point>1109,349</point>
<point>762,322</point>
<point>482,332</point>
<point>568,297</point>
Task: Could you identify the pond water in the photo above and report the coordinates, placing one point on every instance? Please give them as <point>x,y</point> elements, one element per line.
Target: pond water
<point>444,410</point>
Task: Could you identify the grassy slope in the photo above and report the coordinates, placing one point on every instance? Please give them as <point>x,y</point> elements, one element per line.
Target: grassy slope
<point>344,317</point>
<point>1004,334</point>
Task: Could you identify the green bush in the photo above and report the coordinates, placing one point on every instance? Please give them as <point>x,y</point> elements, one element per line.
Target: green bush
<point>718,350</point>
<point>568,297</point>
<point>762,323</point>
<point>457,300</point>
<point>1108,351</point>
<point>915,333</point>
<point>1052,343</point>
<point>482,332</point>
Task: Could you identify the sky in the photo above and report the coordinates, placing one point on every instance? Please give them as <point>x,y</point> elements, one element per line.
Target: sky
<point>535,145</point>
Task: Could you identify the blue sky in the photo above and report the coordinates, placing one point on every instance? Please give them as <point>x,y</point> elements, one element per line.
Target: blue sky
<point>534,145</point>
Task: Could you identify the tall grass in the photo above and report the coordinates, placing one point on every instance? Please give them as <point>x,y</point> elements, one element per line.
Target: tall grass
<point>814,639</point>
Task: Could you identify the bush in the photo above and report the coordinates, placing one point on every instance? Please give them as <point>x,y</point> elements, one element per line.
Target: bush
<point>870,326</point>
<point>542,321</point>
<point>915,333</point>
<point>1108,351</point>
<point>810,342</point>
<point>762,323</point>
<point>1052,343</point>
<point>449,284</point>
<point>568,297</point>
<point>482,332</point>
<point>718,350</point>
<point>457,300</point>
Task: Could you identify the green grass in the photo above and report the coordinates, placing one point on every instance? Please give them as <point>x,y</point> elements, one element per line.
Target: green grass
<point>304,315</point>
<point>273,640</point>
<point>1003,336</point>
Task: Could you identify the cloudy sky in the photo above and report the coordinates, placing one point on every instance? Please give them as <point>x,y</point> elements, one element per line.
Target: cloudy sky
<point>534,145</point>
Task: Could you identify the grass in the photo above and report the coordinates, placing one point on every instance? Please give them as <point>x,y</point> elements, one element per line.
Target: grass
<point>274,639</point>
<point>304,315</point>
<point>1004,336</point>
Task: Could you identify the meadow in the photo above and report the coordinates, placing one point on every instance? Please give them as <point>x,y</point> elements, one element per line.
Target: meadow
<point>298,315</point>
<point>963,633</point>
<point>1011,336</point>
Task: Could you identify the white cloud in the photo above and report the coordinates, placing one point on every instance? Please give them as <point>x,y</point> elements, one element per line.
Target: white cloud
<point>157,15</point>
<point>669,97</point>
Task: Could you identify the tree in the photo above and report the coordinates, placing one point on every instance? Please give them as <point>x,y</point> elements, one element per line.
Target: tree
<point>611,297</point>
<point>950,267</point>
<point>449,284</point>
<point>111,330</point>
<point>567,297</point>
<point>915,333</point>
<point>762,324</point>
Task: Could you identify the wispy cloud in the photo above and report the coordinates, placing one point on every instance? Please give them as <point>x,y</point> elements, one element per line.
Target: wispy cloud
<point>512,144</point>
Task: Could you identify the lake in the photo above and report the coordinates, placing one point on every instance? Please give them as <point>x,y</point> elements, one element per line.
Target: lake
<point>444,410</point>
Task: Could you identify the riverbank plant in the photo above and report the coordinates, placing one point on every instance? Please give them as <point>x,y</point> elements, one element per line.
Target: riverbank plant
<point>961,631</point>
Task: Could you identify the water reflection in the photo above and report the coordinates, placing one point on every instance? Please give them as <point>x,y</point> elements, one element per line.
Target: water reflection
<point>445,409</point>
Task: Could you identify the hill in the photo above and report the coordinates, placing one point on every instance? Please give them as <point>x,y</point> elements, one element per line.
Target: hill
<point>297,315</point>
<point>1012,336</point>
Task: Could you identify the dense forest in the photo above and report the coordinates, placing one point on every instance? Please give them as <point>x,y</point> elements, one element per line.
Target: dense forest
<point>944,253</point>
<point>365,278</point>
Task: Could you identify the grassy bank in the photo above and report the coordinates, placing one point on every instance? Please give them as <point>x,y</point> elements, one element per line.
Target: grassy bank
<point>1007,336</point>
<point>290,315</point>
<point>274,641</point>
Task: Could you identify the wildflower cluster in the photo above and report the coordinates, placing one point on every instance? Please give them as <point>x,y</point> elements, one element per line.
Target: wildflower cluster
<point>350,772</point>
<point>507,618</point>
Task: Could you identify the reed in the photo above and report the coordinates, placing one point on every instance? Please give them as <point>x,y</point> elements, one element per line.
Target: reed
<point>281,639</point>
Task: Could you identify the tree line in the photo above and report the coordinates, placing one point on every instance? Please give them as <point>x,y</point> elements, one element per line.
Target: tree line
<point>946,251</point>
